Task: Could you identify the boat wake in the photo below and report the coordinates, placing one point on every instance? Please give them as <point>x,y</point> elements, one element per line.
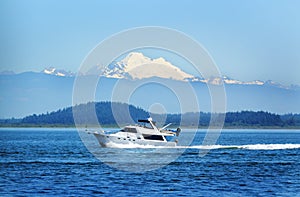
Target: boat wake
<point>209,147</point>
<point>251,146</point>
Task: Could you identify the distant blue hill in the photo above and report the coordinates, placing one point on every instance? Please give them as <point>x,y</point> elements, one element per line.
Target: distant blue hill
<point>28,93</point>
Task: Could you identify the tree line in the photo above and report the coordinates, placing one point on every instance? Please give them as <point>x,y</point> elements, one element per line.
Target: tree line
<point>112,113</point>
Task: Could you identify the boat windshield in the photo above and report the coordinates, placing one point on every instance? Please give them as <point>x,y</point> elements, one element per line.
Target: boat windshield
<point>129,130</point>
<point>146,125</point>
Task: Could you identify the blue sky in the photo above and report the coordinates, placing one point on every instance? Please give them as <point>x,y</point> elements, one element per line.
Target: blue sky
<point>248,40</point>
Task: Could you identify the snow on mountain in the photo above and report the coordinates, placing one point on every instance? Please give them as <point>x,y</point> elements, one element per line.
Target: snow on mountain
<point>137,66</point>
<point>226,80</point>
<point>275,84</point>
<point>57,72</point>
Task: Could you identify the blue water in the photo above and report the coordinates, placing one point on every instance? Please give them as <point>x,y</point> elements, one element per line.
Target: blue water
<point>55,162</point>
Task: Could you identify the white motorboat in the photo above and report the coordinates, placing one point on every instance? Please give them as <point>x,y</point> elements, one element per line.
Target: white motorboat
<point>145,133</point>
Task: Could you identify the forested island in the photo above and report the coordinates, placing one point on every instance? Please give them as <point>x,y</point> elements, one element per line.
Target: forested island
<point>105,112</point>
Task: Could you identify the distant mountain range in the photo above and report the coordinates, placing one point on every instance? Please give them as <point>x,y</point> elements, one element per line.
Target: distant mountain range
<point>136,66</point>
<point>38,92</point>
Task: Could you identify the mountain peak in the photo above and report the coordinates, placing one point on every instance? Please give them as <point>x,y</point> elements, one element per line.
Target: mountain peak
<point>57,72</point>
<point>137,66</point>
<point>135,59</point>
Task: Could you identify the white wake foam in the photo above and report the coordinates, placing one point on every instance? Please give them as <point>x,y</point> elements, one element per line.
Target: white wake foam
<point>250,146</point>
<point>208,147</point>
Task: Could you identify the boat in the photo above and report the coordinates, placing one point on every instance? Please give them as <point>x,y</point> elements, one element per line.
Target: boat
<point>143,134</point>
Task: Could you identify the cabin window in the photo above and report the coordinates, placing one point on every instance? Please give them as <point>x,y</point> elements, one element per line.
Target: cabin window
<point>153,137</point>
<point>130,130</point>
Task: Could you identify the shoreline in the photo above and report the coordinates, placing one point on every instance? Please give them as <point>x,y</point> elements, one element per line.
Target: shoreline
<point>254,127</point>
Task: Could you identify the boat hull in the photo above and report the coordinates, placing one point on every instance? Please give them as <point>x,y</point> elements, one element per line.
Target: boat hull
<point>113,141</point>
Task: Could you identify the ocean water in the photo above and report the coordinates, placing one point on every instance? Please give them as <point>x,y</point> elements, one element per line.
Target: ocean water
<point>38,161</point>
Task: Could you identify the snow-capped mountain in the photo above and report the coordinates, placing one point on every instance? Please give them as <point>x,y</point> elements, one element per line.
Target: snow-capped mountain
<point>137,66</point>
<point>57,72</point>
